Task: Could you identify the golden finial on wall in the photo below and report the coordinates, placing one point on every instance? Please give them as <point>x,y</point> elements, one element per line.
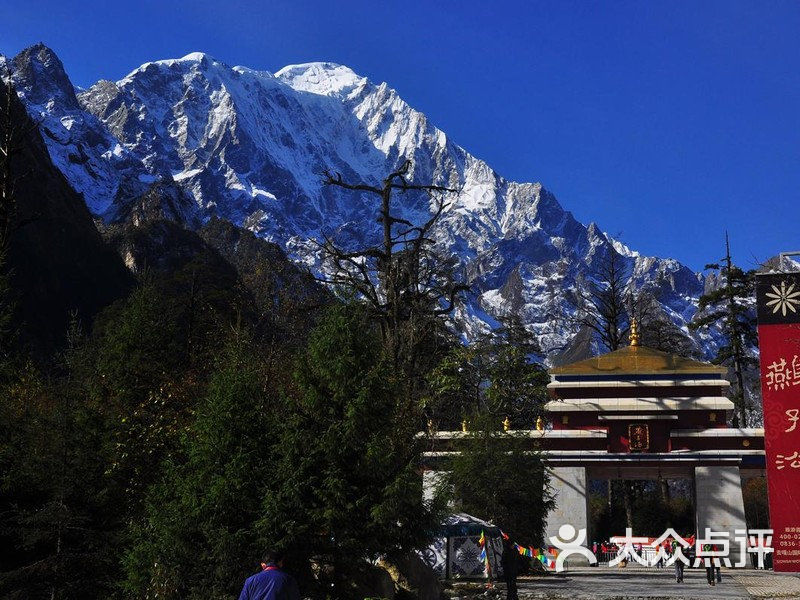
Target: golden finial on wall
<point>540,423</point>
<point>634,334</point>
<point>464,426</point>
<point>506,424</point>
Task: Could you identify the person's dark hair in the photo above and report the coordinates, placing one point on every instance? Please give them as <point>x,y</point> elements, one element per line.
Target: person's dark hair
<point>272,557</point>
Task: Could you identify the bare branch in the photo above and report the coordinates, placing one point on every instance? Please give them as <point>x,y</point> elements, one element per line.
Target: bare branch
<point>336,179</point>
<point>405,283</point>
<point>404,187</point>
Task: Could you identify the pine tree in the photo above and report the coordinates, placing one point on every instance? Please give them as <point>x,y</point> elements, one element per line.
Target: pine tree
<point>495,476</point>
<point>347,485</point>
<point>517,381</point>
<point>54,509</point>
<point>199,538</point>
<point>456,386</point>
<point>727,306</point>
<point>493,375</point>
<point>134,370</point>
<point>655,328</point>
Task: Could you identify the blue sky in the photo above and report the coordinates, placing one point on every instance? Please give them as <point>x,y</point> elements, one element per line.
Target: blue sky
<point>665,122</point>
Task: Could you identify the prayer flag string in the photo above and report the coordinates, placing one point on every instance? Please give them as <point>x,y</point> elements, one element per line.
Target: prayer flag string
<point>539,554</point>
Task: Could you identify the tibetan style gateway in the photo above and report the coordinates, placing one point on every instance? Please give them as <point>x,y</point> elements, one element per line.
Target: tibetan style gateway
<point>638,413</point>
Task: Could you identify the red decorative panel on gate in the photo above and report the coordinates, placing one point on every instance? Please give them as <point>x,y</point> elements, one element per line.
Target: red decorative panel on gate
<point>778,303</point>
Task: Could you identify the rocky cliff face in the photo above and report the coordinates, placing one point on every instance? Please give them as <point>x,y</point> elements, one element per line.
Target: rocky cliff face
<point>60,268</point>
<point>211,140</point>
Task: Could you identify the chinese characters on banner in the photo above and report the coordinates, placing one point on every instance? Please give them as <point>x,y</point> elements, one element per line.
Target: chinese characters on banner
<point>778,305</point>
<point>639,437</point>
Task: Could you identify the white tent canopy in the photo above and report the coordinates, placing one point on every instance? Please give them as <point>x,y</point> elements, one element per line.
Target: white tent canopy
<point>455,551</point>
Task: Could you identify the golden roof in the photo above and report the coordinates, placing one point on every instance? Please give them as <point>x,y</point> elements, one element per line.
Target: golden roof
<point>636,360</point>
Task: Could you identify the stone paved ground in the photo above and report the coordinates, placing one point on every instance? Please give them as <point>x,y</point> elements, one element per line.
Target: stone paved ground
<point>764,584</point>
<point>607,584</point>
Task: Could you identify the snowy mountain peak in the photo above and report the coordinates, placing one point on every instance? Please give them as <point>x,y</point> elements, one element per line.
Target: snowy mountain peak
<point>40,75</point>
<point>194,61</point>
<point>251,147</point>
<point>196,57</point>
<point>323,78</point>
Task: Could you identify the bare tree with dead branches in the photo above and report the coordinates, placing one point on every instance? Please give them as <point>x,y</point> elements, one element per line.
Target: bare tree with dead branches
<point>604,304</point>
<point>609,301</point>
<point>407,283</point>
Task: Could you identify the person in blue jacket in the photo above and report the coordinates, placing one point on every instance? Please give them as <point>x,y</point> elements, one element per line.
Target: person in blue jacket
<point>272,583</point>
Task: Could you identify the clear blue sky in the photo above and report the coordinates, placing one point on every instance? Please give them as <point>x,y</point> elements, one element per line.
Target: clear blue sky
<point>665,122</point>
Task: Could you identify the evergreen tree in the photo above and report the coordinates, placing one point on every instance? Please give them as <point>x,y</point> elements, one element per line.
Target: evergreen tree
<point>494,375</point>
<point>655,328</point>
<point>135,369</point>
<point>517,383</point>
<point>456,386</point>
<point>147,362</point>
<point>495,475</point>
<point>608,301</point>
<point>199,536</point>
<point>327,470</point>
<point>55,513</point>
<point>347,484</point>
<point>728,306</point>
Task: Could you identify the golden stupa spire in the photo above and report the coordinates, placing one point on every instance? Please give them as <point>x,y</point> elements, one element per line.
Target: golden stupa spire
<point>634,334</point>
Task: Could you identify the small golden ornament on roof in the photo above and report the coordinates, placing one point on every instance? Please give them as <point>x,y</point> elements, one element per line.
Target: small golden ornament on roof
<point>634,334</point>
<point>464,426</point>
<point>540,423</point>
<point>506,424</point>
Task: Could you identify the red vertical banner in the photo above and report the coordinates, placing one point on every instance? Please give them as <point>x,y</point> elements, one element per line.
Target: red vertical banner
<point>778,306</point>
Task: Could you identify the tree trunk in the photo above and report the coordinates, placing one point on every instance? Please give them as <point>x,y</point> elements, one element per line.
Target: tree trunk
<point>627,487</point>
<point>664,490</point>
<point>740,405</point>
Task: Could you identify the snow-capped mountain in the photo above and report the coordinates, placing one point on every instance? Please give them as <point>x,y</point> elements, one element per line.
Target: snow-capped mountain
<point>250,146</point>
